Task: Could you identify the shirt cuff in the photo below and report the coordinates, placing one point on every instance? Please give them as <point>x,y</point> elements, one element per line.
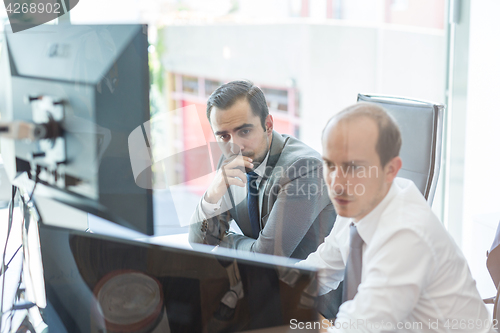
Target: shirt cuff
<point>209,209</point>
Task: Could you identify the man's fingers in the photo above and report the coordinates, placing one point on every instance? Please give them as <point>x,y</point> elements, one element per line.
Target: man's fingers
<point>234,178</point>
<point>240,162</point>
<point>233,173</point>
<point>249,165</point>
<point>236,181</point>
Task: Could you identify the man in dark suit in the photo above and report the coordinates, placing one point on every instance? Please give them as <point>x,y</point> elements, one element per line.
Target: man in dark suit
<point>267,183</point>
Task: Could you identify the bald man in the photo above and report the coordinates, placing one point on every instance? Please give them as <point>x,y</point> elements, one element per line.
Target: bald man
<point>402,271</point>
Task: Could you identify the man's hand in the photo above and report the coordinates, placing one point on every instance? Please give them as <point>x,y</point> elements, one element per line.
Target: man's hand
<point>231,172</point>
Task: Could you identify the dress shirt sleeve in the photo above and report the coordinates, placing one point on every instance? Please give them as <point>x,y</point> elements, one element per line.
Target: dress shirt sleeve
<point>329,263</point>
<point>394,278</point>
<point>299,201</point>
<point>207,227</point>
<point>209,209</point>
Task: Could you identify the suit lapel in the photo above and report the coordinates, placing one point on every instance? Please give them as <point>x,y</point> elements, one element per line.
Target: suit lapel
<point>277,146</point>
<point>241,210</point>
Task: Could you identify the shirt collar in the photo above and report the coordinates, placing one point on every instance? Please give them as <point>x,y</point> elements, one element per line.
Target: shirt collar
<point>261,169</point>
<point>368,225</point>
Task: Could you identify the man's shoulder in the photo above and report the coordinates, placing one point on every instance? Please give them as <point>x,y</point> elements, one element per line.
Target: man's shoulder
<point>409,211</point>
<point>295,151</point>
<point>292,159</point>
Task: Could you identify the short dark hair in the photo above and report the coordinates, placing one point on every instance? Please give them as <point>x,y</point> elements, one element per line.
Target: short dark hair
<point>389,136</point>
<point>226,95</point>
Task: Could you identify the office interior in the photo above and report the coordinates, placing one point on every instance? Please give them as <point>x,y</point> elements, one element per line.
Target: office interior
<point>311,58</point>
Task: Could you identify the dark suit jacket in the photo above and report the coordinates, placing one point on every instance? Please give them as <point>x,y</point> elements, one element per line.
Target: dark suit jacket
<point>295,211</point>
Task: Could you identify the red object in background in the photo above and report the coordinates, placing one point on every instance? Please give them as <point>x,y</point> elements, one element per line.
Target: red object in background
<point>282,126</point>
<point>304,11</point>
<point>191,90</point>
<point>191,138</point>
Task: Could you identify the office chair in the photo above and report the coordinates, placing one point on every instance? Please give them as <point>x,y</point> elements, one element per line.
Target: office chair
<point>421,125</point>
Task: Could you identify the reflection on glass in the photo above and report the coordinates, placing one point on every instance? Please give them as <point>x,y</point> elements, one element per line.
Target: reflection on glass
<point>86,274</point>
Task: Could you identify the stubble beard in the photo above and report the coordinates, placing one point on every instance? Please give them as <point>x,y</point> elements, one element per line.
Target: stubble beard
<point>257,160</point>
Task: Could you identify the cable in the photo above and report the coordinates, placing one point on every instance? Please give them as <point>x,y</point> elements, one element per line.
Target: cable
<point>11,213</point>
<point>37,175</point>
<point>27,256</point>
<point>10,225</point>
<point>37,179</point>
<point>25,205</point>
<point>13,307</point>
<point>11,316</point>
<point>10,260</point>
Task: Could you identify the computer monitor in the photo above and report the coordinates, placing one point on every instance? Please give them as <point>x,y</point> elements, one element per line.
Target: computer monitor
<point>93,81</point>
<point>79,268</point>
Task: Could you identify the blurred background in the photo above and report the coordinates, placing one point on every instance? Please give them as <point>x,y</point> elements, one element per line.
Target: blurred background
<point>312,58</point>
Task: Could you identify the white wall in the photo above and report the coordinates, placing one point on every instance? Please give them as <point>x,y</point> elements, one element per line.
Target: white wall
<point>362,10</point>
<point>482,150</point>
<point>330,63</point>
<point>264,9</point>
<point>340,63</point>
<point>267,54</point>
<point>3,13</point>
<point>109,11</point>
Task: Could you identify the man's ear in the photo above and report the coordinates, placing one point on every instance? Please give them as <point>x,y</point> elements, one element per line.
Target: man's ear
<point>392,168</point>
<point>269,124</point>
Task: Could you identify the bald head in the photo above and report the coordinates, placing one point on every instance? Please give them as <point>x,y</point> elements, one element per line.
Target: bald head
<point>360,153</point>
<point>388,142</point>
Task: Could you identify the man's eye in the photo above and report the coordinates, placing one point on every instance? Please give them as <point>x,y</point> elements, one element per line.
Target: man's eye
<point>244,132</point>
<point>225,137</point>
<point>357,167</point>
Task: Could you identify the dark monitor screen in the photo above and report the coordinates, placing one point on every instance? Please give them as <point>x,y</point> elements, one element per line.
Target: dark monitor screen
<point>79,268</point>
<point>94,82</point>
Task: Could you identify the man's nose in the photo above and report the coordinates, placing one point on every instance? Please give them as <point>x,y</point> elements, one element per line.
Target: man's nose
<point>235,146</point>
<point>337,181</point>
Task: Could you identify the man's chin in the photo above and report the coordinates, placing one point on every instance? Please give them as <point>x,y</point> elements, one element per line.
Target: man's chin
<point>258,159</point>
<point>341,211</point>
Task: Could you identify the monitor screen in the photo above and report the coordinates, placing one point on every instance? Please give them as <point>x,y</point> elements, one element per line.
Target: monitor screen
<point>180,290</point>
<point>91,83</point>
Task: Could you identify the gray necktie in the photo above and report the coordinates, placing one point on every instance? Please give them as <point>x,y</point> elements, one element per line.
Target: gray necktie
<point>352,275</point>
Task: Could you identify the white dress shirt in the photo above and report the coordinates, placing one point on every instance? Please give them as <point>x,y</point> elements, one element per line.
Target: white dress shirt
<point>414,277</point>
<point>212,209</point>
